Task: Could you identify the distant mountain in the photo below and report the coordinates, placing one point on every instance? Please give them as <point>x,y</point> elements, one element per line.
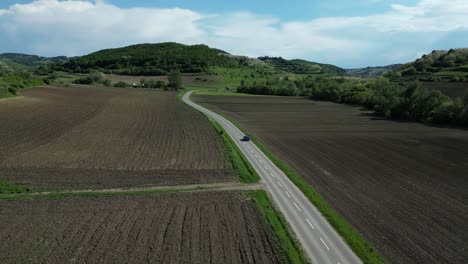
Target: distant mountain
<point>451,65</point>
<point>302,66</point>
<point>372,71</point>
<point>152,59</point>
<point>32,60</point>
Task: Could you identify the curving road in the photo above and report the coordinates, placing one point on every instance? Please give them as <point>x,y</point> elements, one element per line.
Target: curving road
<point>320,241</point>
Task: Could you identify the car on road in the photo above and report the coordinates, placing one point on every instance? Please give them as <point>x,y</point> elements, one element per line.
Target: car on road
<point>245,138</point>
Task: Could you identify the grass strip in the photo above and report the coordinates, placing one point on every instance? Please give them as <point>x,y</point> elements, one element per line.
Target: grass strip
<point>241,165</point>
<point>94,194</point>
<point>355,240</point>
<point>287,243</point>
<point>11,188</point>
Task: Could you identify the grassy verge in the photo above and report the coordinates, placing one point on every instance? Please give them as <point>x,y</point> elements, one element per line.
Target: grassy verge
<point>9,188</point>
<point>288,244</point>
<point>355,240</point>
<point>93,194</point>
<point>242,166</point>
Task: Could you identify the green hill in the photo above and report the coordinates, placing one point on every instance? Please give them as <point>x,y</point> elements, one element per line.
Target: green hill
<point>32,60</point>
<point>372,71</point>
<point>8,67</point>
<point>451,65</point>
<point>152,59</point>
<point>302,66</point>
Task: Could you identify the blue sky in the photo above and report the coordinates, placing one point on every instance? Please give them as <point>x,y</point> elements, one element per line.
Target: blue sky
<point>346,33</point>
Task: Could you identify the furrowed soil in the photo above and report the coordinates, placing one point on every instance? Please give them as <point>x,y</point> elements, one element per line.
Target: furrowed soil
<point>403,186</point>
<point>205,227</point>
<point>94,138</point>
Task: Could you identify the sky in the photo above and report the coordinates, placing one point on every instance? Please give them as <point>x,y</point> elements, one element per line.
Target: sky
<point>346,33</point>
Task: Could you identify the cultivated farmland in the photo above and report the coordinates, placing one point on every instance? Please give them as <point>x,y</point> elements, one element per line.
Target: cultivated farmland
<point>403,186</point>
<point>91,138</point>
<point>204,227</point>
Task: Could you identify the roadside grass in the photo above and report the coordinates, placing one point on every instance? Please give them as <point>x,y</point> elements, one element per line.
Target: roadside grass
<point>11,188</point>
<point>94,194</point>
<point>241,165</point>
<point>355,240</point>
<point>287,242</point>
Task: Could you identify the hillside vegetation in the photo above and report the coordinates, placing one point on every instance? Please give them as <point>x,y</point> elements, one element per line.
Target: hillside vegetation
<point>15,76</point>
<point>302,66</point>
<point>152,59</point>
<point>32,60</point>
<point>451,65</point>
<point>372,71</point>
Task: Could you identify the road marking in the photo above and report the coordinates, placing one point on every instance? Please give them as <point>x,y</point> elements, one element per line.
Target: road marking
<point>308,222</point>
<point>256,156</point>
<point>288,194</point>
<point>266,168</point>
<point>272,175</point>
<point>279,183</point>
<point>295,204</point>
<point>324,243</point>
<point>261,161</point>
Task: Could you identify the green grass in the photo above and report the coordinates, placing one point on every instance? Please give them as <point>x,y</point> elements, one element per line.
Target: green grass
<point>92,194</point>
<point>355,240</point>
<point>287,243</point>
<point>8,188</point>
<point>241,165</point>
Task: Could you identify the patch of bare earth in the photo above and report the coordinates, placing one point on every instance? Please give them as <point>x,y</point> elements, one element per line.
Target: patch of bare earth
<point>80,138</point>
<point>205,227</point>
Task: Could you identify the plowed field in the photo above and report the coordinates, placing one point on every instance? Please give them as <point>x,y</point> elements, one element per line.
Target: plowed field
<point>66,138</point>
<point>404,186</point>
<point>206,227</point>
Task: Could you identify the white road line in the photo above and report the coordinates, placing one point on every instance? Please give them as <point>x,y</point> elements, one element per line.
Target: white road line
<point>310,224</point>
<point>295,204</point>
<point>261,161</point>
<point>288,194</point>
<point>272,175</point>
<point>279,183</point>
<point>256,156</point>
<point>266,168</point>
<point>324,243</point>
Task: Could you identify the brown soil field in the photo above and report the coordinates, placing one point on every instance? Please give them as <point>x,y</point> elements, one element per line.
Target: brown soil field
<point>403,186</point>
<point>85,137</point>
<point>205,227</point>
<point>451,89</point>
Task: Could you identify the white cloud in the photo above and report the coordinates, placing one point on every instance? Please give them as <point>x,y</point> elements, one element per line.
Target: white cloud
<point>52,27</point>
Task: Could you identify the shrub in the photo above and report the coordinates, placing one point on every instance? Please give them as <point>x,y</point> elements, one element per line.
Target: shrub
<point>12,90</point>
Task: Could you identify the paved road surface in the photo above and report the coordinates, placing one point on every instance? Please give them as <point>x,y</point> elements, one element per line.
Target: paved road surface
<point>318,238</point>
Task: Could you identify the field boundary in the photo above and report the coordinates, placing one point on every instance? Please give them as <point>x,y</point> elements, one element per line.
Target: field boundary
<point>354,239</point>
<point>287,242</point>
<point>22,194</point>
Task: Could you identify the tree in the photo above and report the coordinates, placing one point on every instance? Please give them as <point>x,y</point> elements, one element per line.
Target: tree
<point>175,80</point>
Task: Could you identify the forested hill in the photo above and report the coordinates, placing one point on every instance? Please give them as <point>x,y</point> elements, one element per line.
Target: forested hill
<point>372,71</point>
<point>451,65</point>
<point>152,59</point>
<point>302,66</point>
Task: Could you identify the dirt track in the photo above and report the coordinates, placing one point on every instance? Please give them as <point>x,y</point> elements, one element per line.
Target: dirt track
<point>218,227</point>
<point>402,185</point>
<point>67,138</point>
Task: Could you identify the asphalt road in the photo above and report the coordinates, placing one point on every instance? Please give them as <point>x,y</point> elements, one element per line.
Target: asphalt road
<point>320,241</point>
